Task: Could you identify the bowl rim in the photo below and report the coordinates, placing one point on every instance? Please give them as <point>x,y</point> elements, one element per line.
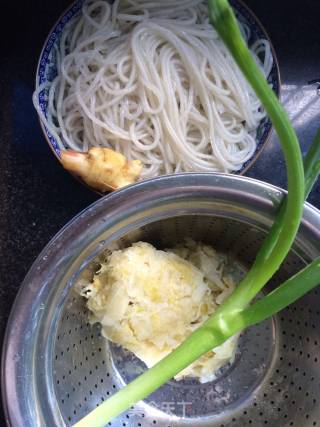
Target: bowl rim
<point>248,164</point>
<point>61,249</point>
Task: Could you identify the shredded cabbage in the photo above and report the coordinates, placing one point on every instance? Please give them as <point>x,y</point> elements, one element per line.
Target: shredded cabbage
<point>149,301</point>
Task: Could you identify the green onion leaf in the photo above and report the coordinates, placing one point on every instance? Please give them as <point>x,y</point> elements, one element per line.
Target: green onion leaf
<point>312,164</point>
<point>279,240</point>
<point>284,295</point>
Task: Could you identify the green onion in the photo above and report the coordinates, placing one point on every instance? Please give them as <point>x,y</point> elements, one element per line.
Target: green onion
<point>304,280</point>
<point>286,294</point>
<point>234,315</point>
<point>280,238</point>
<point>312,164</point>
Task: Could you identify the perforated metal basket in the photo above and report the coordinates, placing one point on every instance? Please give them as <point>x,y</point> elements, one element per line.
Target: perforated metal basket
<point>57,367</point>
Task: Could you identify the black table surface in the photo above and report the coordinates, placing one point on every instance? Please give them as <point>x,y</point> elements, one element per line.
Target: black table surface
<point>38,197</point>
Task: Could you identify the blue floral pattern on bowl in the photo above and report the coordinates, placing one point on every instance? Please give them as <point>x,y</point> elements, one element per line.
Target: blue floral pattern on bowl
<point>47,69</point>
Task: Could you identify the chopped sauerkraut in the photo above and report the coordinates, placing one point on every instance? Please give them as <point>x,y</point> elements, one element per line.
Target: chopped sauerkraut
<point>149,301</point>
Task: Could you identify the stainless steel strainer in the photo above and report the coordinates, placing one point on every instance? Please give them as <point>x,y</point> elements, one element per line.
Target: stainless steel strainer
<point>57,367</point>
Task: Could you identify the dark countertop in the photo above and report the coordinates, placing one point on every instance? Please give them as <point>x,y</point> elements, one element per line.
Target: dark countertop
<point>38,197</point>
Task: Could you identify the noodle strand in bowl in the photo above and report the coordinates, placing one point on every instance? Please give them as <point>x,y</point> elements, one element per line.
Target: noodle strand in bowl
<point>154,82</point>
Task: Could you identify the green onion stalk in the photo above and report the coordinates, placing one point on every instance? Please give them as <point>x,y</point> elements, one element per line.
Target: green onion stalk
<point>312,164</point>
<point>235,313</point>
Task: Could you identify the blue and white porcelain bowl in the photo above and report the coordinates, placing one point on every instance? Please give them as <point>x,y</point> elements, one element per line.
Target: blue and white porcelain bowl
<point>47,70</point>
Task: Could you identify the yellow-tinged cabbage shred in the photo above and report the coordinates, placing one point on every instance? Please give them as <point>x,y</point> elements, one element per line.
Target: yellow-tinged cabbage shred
<point>149,301</point>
